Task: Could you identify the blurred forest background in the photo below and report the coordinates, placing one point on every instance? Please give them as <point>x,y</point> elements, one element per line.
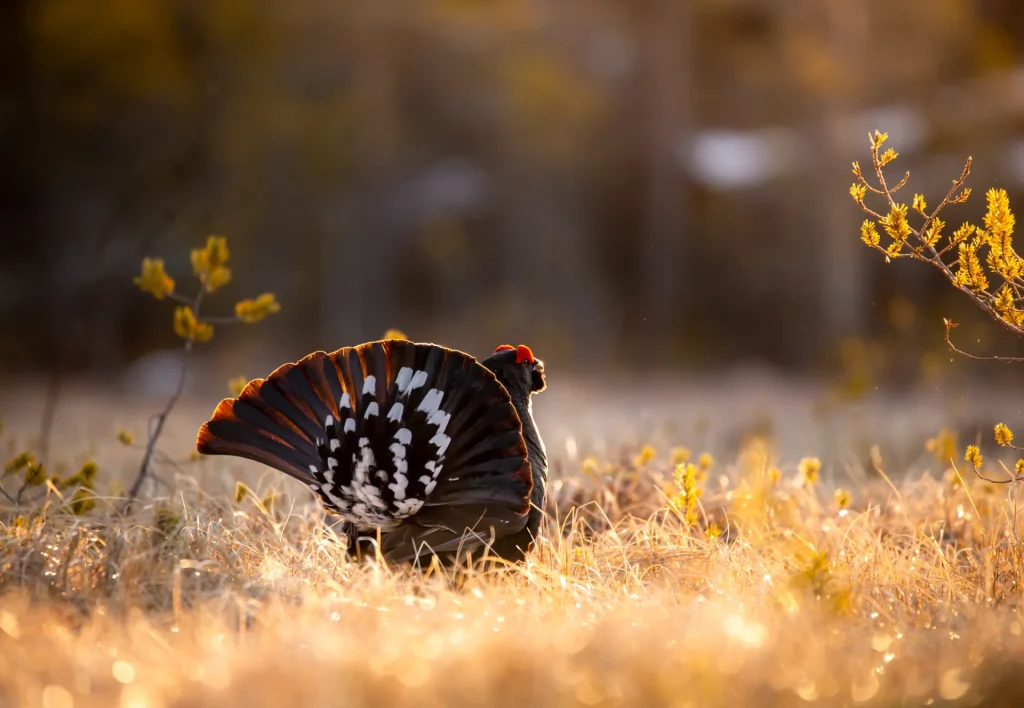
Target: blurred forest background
<point>644,184</point>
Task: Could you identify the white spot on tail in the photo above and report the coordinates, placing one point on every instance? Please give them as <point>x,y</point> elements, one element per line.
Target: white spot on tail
<point>442,441</point>
<point>431,402</point>
<point>401,480</point>
<point>350,425</point>
<point>418,380</point>
<point>329,422</point>
<point>313,469</point>
<point>440,419</point>
<point>403,380</point>
<point>407,507</point>
<point>370,385</point>
<point>398,450</point>
<point>396,412</point>
<point>345,402</point>
<point>430,486</point>
<point>404,436</point>
<point>361,472</point>
<point>335,444</point>
<point>371,409</point>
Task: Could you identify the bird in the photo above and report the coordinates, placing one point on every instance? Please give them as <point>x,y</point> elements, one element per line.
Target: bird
<point>422,451</point>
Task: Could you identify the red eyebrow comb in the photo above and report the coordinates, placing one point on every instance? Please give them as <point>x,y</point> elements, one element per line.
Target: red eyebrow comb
<point>504,348</point>
<point>523,353</point>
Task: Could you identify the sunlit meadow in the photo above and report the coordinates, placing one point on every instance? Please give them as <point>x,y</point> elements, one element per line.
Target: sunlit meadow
<point>665,575</point>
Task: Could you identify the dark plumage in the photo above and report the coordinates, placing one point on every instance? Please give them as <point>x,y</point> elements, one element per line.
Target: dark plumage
<point>436,452</point>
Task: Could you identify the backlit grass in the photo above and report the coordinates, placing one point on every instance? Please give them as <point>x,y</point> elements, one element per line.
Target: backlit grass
<point>885,594</point>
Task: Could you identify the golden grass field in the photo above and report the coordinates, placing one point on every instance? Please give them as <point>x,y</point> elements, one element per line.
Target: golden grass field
<point>907,596</point>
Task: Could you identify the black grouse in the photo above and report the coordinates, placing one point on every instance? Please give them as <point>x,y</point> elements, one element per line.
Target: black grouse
<point>433,450</point>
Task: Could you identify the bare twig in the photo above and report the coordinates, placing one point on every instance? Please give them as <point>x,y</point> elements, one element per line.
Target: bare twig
<point>161,418</point>
<point>1001,359</point>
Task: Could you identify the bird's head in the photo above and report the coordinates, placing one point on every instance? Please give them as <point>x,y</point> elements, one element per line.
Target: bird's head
<point>518,370</point>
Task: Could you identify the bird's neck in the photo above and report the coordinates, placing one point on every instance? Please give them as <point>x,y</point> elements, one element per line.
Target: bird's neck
<point>537,453</point>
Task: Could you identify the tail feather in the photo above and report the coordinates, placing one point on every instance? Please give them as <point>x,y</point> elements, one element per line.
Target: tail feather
<point>391,435</point>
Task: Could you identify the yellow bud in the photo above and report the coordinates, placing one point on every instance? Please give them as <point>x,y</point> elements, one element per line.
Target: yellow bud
<point>974,456</point>
<point>208,263</point>
<point>841,498</point>
<point>395,334</point>
<point>250,311</point>
<point>647,453</point>
<point>809,468</point>
<point>679,455</point>
<point>1003,435</point>
<point>153,279</point>
<point>124,437</point>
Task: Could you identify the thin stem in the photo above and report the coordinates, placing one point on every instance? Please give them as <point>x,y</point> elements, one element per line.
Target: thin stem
<point>1001,359</point>
<point>49,413</point>
<point>9,497</point>
<point>1013,478</point>
<point>161,418</point>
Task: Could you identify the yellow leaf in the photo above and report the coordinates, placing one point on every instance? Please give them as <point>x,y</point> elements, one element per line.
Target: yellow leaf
<point>971,273</point>
<point>934,232</point>
<point>887,157</point>
<point>208,263</point>
<point>869,234</point>
<point>963,233</point>
<point>962,197</point>
<point>895,223</point>
<point>153,279</point>
<point>250,311</point>
<point>999,219</point>
<point>187,326</point>
<point>919,204</point>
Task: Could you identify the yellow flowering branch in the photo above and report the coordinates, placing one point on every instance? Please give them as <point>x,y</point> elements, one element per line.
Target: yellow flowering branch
<point>209,265</point>
<point>981,254</point>
<point>979,261</point>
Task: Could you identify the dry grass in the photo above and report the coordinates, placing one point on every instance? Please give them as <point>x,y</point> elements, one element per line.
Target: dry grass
<point>909,595</point>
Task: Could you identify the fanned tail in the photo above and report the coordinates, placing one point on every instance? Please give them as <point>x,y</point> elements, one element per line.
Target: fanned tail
<point>417,440</point>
